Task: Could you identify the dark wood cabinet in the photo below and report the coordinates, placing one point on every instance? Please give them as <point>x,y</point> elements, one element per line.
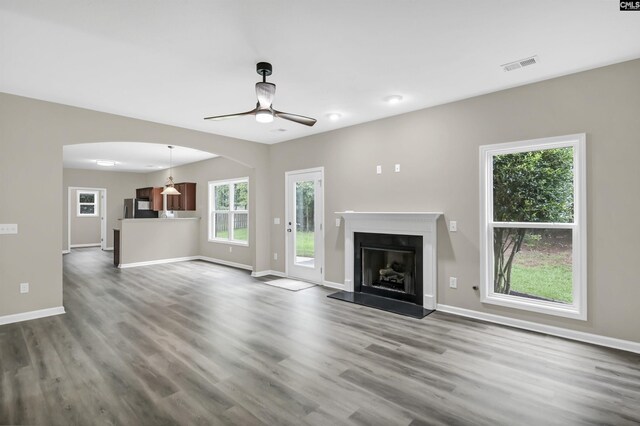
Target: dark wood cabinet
<point>116,247</point>
<point>144,193</point>
<point>154,195</point>
<point>156,199</point>
<point>186,201</point>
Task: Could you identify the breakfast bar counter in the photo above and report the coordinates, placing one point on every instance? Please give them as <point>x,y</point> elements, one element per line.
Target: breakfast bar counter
<point>141,242</point>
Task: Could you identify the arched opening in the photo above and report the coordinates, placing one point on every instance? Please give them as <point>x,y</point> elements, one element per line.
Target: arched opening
<point>122,169</point>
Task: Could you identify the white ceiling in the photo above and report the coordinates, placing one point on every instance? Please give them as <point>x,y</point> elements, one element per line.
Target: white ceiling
<point>136,157</point>
<point>176,62</point>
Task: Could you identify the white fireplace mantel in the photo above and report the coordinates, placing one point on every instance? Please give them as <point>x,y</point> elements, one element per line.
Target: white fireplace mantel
<point>400,223</point>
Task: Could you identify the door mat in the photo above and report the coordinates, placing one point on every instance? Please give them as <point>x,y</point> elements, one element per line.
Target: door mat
<point>288,284</point>
<point>383,303</point>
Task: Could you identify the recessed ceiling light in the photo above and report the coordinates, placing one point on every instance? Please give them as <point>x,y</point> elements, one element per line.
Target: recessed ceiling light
<point>333,116</point>
<point>393,99</point>
<point>105,163</point>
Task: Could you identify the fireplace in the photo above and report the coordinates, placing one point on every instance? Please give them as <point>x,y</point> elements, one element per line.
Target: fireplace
<point>393,224</point>
<point>389,265</point>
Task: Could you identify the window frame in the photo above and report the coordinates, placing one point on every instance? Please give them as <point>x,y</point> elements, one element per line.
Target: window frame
<point>578,309</point>
<point>230,213</point>
<point>95,205</point>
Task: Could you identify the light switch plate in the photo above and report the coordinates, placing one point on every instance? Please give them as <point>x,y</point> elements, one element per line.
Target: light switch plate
<point>453,226</point>
<point>338,222</point>
<point>275,256</point>
<point>453,282</point>
<point>379,170</point>
<point>397,168</point>
<point>276,221</point>
<point>8,228</point>
<point>24,287</point>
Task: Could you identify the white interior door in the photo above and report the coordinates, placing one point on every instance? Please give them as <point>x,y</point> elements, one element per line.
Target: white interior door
<point>304,225</point>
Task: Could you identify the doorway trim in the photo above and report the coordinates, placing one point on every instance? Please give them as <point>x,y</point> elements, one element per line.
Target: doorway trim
<point>287,197</point>
<point>102,212</point>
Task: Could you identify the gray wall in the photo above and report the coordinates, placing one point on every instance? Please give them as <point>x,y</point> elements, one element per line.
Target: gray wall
<point>201,173</point>
<point>438,152</point>
<point>84,229</point>
<point>32,134</point>
<point>119,186</point>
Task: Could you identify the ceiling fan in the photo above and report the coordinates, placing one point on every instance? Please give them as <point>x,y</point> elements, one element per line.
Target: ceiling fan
<point>264,111</point>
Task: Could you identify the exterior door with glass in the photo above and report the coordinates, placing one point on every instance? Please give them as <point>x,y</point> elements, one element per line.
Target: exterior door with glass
<point>304,227</point>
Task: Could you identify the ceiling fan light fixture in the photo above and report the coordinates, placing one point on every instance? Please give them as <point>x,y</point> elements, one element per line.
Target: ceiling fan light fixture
<point>333,116</point>
<point>106,163</point>
<point>264,116</point>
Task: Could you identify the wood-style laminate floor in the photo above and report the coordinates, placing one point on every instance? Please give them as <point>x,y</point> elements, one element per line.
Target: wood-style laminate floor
<point>195,343</point>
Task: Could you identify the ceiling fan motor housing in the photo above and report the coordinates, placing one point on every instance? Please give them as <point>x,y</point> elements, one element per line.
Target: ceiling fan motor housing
<point>264,68</point>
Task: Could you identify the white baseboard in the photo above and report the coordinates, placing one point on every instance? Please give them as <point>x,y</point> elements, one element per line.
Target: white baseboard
<point>25,316</point>
<point>331,284</point>
<point>259,274</point>
<point>66,251</point>
<point>185,259</point>
<point>108,249</point>
<point>85,245</point>
<point>158,262</point>
<point>226,263</point>
<point>610,342</point>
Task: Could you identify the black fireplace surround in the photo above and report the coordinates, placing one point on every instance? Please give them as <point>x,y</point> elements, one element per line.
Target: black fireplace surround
<point>388,265</point>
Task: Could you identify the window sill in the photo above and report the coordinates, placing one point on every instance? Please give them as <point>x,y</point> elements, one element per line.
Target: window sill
<point>231,242</point>
<point>542,307</point>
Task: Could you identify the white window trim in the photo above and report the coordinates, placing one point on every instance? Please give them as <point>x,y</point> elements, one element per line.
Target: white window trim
<point>212,211</point>
<point>578,309</point>
<point>95,205</point>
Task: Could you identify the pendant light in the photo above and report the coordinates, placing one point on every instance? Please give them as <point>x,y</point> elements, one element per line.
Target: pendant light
<point>170,189</point>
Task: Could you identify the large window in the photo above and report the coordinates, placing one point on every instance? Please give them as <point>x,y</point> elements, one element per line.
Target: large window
<point>533,225</point>
<point>229,211</point>
<point>87,202</point>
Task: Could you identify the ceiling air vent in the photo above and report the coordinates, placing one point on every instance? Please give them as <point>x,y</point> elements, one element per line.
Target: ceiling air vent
<point>520,64</point>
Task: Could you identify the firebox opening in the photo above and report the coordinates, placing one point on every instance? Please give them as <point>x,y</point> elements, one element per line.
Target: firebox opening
<point>389,265</point>
<point>392,270</point>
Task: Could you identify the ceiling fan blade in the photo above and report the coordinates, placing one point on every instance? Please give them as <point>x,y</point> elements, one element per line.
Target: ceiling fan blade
<point>307,121</point>
<point>239,114</point>
<point>265,93</point>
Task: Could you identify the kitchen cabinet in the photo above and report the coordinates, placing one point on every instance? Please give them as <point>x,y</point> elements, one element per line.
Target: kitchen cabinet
<point>186,201</point>
<point>116,247</point>
<point>156,199</point>
<point>154,195</point>
<point>144,193</point>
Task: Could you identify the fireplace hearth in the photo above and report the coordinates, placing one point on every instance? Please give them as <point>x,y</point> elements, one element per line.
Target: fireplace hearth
<point>389,265</point>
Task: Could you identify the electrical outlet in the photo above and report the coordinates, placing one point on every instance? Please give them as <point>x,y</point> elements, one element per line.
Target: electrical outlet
<point>453,226</point>
<point>275,256</point>
<point>338,222</point>
<point>453,282</point>
<point>397,168</point>
<point>379,170</point>
<point>8,228</point>
<point>24,287</point>
<point>230,249</point>
<point>276,221</point>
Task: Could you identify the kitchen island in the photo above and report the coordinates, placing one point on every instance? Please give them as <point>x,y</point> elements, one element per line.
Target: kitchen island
<point>141,242</point>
